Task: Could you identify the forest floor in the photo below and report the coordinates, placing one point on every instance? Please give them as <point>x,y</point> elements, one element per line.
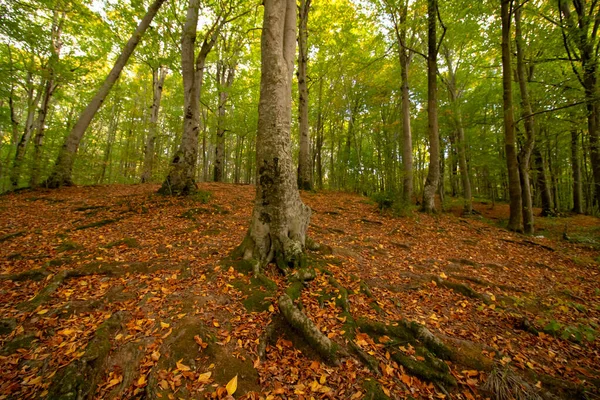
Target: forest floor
<point>117,292</point>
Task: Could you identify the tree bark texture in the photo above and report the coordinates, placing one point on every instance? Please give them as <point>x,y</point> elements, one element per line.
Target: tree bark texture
<point>181,177</point>
<point>543,184</point>
<point>528,119</point>
<point>225,75</point>
<point>61,174</point>
<point>433,175</point>
<point>158,79</point>
<point>304,159</point>
<point>577,178</point>
<point>55,48</point>
<point>279,218</point>
<point>510,141</point>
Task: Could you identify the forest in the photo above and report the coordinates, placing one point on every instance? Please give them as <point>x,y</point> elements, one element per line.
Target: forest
<point>354,199</point>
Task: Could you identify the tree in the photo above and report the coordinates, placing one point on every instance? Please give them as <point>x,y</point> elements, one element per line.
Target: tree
<point>279,219</point>
<point>433,176</point>
<point>304,159</point>
<point>514,184</point>
<point>61,174</point>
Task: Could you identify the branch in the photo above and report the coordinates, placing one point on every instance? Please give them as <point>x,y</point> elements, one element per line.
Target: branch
<point>557,109</point>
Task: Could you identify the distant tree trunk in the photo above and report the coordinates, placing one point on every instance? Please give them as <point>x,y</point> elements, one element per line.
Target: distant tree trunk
<point>527,148</point>
<point>180,180</point>
<point>279,218</point>
<point>433,176</point>
<point>514,183</point>
<point>61,174</point>
<point>110,139</point>
<point>320,138</point>
<point>158,79</point>
<point>225,77</point>
<point>204,146</point>
<point>55,48</point>
<point>460,133</point>
<point>542,178</point>
<point>405,59</point>
<point>576,166</point>
<point>304,164</point>
<point>32,103</point>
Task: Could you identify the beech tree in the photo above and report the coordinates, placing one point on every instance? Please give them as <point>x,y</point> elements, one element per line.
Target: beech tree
<point>304,159</point>
<point>61,174</point>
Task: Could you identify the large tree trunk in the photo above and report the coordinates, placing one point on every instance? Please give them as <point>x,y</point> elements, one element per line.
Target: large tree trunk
<point>510,145</point>
<point>279,218</point>
<point>225,76</point>
<point>304,164</point>
<point>527,148</point>
<point>158,79</point>
<point>61,174</point>
<point>433,176</point>
<point>320,138</point>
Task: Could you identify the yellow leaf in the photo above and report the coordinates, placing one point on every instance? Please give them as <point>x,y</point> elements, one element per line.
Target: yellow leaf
<point>530,365</point>
<point>232,386</point>
<point>155,355</point>
<point>323,379</point>
<point>114,382</point>
<point>67,332</point>
<point>42,312</point>
<point>314,386</point>
<point>164,325</point>
<point>443,275</point>
<point>216,324</point>
<point>271,308</point>
<point>182,367</point>
<point>205,377</point>
<point>141,381</point>
<point>35,381</point>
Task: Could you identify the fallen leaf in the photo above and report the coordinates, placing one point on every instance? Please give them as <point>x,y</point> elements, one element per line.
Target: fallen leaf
<point>232,386</point>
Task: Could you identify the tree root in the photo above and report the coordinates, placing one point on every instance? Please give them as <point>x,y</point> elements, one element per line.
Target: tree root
<point>88,270</point>
<point>80,378</point>
<point>300,322</point>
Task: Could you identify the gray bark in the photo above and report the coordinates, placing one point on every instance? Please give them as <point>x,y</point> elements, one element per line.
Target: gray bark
<point>433,175</point>
<point>304,160</point>
<point>279,218</point>
<point>527,148</point>
<point>225,75</point>
<point>61,174</point>
<point>577,177</point>
<point>514,183</point>
<point>180,180</point>
<point>158,79</point>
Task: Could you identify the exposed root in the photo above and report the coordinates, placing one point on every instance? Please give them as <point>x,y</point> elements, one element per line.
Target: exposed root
<point>80,378</point>
<point>264,340</point>
<point>30,275</point>
<point>503,384</point>
<point>90,269</point>
<point>299,321</point>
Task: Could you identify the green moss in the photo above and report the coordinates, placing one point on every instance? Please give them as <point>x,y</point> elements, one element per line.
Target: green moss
<point>68,246</point>
<point>373,390</point>
<point>201,196</point>
<point>258,292</point>
<point>423,370</point>
<point>20,342</point>
<point>9,236</point>
<point>294,290</point>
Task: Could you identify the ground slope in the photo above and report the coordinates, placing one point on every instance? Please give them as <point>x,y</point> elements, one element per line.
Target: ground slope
<point>116,292</point>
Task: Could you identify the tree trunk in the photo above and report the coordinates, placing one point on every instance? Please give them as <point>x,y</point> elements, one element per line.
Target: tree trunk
<point>158,79</point>
<point>32,103</point>
<point>225,77</point>
<point>405,58</point>
<point>55,48</point>
<point>180,180</point>
<point>510,145</point>
<point>61,174</point>
<point>542,178</point>
<point>527,148</point>
<point>304,164</point>
<point>433,176</point>
<point>320,138</point>
<point>279,218</point>
<point>460,134</point>
<point>576,166</point>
